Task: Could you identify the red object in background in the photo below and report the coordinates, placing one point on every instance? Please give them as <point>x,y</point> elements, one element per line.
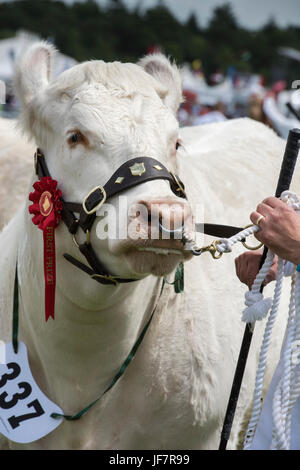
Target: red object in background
<point>46,208</point>
<point>262,81</point>
<point>154,49</point>
<point>279,86</point>
<point>190,98</point>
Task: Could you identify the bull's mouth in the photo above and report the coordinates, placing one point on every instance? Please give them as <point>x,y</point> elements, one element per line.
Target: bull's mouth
<point>157,257</point>
<point>160,247</point>
<point>160,251</point>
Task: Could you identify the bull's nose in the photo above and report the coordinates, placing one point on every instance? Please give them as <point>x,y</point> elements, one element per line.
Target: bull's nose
<point>168,217</point>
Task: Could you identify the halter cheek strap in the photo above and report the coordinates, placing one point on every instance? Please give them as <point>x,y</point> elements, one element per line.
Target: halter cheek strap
<point>131,173</point>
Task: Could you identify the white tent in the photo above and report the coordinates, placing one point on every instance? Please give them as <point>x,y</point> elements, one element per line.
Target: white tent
<point>279,121</point>
<point>207,95</point>
<point>12,48</point>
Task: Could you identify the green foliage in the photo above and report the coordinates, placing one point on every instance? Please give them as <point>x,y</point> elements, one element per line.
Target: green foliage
<point>84,30</point>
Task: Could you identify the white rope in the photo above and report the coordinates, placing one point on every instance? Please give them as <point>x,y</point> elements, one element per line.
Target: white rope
<point>226,244</point>
<point>281,434</point>
<point>259,380</point>
<point>257,306</point>
<point>287,390</point>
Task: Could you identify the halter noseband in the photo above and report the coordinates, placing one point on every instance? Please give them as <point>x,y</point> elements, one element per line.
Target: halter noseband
<point>131,173</point>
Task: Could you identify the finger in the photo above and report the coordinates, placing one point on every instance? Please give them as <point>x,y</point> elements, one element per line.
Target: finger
<point>272,202</point>
<point>255,216</point>
<point>238,267</point>
<point>271,276</point>
<point>264,209</point>
<point>250,281</point>
<point>259,236</point>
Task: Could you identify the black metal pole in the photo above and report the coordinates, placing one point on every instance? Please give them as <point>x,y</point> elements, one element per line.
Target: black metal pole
<point>284,181</point>
<point>292,109</point>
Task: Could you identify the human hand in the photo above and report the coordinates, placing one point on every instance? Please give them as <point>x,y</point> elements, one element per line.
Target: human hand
<point>279,228</point>
<point>247,267</point>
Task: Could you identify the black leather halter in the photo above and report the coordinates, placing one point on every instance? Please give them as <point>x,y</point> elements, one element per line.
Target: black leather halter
<point>131,173</point>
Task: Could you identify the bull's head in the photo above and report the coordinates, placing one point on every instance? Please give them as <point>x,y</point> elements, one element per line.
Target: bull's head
<point>90,121</point>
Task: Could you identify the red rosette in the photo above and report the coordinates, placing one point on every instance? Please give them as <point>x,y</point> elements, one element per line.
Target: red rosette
<point>46,209</point>
<point>47,203</point>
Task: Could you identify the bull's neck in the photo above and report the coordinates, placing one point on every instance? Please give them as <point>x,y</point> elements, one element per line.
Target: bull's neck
<point>84,344</point>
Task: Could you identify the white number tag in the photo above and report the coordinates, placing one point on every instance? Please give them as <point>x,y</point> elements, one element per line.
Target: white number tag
<point>24,410</point>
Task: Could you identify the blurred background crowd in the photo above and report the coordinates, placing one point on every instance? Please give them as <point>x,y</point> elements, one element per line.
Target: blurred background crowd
<point>228,70</point>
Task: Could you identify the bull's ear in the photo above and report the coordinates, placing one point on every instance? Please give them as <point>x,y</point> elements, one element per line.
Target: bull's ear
<point>33,71</point>
<point>168,75</point>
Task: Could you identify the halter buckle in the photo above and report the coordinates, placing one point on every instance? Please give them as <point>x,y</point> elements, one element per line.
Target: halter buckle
<point>92,211</point>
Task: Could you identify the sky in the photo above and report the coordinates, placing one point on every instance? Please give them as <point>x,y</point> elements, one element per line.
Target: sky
<point>251,14</point>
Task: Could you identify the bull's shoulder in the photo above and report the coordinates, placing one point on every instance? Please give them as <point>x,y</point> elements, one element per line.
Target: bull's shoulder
<point>242,134</point>
<point>16,162</point>
<point>230,167</point>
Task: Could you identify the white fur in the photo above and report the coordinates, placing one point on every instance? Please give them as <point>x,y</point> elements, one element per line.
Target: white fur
<point>175,392</point>
<point>16,162</point>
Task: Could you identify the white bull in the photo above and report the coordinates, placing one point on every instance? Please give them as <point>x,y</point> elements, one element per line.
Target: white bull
<point>174,394</point>
<point>16,169</point>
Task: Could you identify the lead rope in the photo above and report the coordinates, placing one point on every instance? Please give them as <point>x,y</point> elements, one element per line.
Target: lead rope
<point>288,389</point>
<point>257,307</point>
<point>118,374</point>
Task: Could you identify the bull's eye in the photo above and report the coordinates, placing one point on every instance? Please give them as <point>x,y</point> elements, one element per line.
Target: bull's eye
<point>76,138</point>
<point>178,144</point>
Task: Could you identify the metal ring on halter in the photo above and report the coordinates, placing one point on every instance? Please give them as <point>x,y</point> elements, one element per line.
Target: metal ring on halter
<point>252,248</point>
<point>87,241</point>
<point>106,277</point>
<point>180,188</point>
<point>197,252</point>
<point>170,232</point>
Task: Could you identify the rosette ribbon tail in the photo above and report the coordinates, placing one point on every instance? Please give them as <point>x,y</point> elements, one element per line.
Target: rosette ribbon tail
<point>49,268</point>
<point>46,208</point>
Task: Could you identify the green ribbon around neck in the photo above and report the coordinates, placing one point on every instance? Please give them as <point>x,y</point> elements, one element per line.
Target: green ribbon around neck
<point>115,378</point>
<point>178,280</point>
